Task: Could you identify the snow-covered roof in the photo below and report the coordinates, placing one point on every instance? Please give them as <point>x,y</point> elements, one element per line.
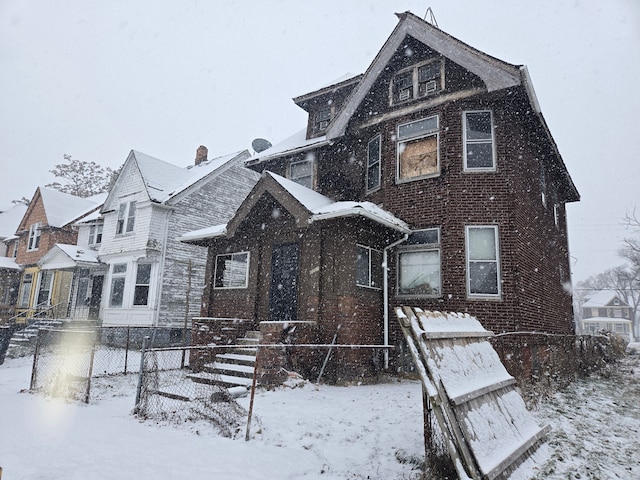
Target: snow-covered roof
<point>8,263</point>
<point>296,143</point>
<point>165,180</point>
<point>67,256</point>
<point>320,208</point>
<point>604,298</point>
<point>62,208</point>
<point>607,320</point>
<point>10,220</point>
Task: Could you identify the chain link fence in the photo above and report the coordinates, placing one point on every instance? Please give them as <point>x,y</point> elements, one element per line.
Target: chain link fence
<point>65,360</point>
<point>169,391</point>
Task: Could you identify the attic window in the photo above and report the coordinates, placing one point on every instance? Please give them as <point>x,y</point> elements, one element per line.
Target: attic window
<point>322,118</point>
<point>34,237</point>
<point>419,81</point>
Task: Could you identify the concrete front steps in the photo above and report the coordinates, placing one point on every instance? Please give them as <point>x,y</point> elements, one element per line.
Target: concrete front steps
<point>232,369</point>
<point>24,341</point>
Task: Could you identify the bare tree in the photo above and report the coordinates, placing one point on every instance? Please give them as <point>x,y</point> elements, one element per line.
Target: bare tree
<point>82,178</point>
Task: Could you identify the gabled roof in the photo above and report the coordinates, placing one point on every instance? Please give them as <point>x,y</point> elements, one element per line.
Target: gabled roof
<point>313,205</point>
<point>164,181</point>
<point>10,220</point>
<point>67,256</point>
<point>604,298</point>
<point>61,209</point>
<point>495,73</point>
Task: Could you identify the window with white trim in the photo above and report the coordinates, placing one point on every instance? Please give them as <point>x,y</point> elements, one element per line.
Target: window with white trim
<point>126,217</point>
<point>232,270</point>
<point>373,163</point>
<point>483,265</point>
<point>45,288</point>
<point>143,280</point>
<point>34,237</point>
<point>417,149</point>
<point>323,117</point>
<point>418,81</point>
<point>368,267</point>
<point>479,151</point>
<point>95,234</point>
<point>118,278</point>
<point>302,172</point>
<point>419,264</point>
<point>15,249</point>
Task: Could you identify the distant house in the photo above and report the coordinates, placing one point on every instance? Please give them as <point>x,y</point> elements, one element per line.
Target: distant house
<point>151,277</point>
<point>607,311</point>
<point>430,180</point>
<point>47,223</point>
<point>9,269</point>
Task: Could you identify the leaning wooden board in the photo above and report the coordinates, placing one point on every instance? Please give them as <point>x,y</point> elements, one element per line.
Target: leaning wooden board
<point>483,418</point>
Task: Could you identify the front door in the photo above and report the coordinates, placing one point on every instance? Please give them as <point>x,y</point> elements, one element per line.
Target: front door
<point>283,297</point>
<point>96,297</point>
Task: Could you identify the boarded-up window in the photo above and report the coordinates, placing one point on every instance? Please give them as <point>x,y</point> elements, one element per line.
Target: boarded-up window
<point>418,149</point>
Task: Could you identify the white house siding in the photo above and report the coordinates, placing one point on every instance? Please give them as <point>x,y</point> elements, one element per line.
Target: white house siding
<point>212,204</point>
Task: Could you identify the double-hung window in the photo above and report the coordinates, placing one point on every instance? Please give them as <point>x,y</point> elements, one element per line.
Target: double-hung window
<point>368,267</point>
<point>45,288</point>
<point>34,237</point>
<point>232,270</point>
<point>417,146</point>
<point>118,278</point>
<point>483,265</point>
<point>323,117</point>
<point>302,172</point>
<point>373,163</point>
<point>143,280</point>
<point>479,151</point>
<point>418,81</point>
<point>95,234</point>
<point>419,264</point>
<point>126,217</point>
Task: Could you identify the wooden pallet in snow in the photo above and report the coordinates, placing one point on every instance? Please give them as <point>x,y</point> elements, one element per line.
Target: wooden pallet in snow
<point>486,426</point>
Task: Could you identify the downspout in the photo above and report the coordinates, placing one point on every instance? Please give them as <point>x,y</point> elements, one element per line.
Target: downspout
<point>385,295</point>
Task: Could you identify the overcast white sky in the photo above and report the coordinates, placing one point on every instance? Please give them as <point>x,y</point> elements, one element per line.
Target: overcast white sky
<point>95,79</point>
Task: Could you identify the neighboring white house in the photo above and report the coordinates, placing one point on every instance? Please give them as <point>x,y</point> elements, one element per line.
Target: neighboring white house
<point>151,277</point>
<point>606,310</point>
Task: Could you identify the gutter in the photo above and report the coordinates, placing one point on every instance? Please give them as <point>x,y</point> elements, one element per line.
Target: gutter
<point>385,295</point>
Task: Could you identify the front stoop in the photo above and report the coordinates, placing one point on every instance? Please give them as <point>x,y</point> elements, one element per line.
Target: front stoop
<point>233,368</point>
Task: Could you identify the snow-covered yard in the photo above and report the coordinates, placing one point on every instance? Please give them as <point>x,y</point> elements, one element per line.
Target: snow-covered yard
<point>372,431</point>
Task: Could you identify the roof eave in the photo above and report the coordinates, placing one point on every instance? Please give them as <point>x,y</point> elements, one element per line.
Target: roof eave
<point>357,211</point>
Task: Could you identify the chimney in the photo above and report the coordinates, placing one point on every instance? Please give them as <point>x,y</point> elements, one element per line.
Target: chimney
<point>201,154</point>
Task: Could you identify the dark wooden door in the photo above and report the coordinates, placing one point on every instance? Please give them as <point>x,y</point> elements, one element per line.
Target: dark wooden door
<point>96,297</point>
<point>283,297</point>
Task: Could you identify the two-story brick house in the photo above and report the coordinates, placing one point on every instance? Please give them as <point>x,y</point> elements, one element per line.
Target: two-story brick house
<point>437,164</point>
<point>49,220</point>
<point>151,277</point>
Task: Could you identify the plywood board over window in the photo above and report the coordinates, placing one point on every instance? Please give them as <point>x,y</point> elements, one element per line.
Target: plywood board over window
<point>419,158</point>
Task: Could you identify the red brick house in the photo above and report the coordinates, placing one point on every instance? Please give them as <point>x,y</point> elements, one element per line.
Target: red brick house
<point>436,163</point>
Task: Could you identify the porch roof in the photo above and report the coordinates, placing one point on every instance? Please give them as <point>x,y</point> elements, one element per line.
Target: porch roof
<point>62,256</point>
<point>8,263</point>
<point>317,205</point>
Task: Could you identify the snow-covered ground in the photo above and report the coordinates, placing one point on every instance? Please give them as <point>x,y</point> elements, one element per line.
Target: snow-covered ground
<point>372,431</point>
